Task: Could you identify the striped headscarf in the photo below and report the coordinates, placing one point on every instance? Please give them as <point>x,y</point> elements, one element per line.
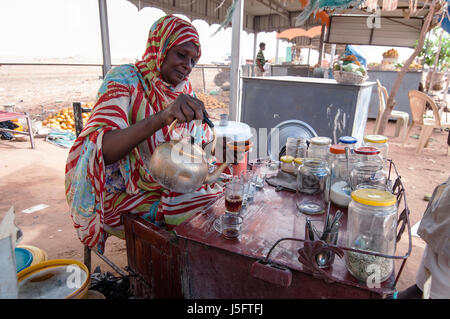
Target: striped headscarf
<point>167,32</point>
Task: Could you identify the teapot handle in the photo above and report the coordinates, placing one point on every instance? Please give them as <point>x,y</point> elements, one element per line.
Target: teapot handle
<point>172,126</point>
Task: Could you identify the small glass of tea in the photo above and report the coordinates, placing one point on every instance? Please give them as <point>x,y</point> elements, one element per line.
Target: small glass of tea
<point>234,194</point>
<point>231,226</point>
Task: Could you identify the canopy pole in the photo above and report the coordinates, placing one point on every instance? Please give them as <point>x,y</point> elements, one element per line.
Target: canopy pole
<point>276,51</point>
<point>255,41</point>
<point>105,36</point>
<point>237,22</point>
<point>322,34</point>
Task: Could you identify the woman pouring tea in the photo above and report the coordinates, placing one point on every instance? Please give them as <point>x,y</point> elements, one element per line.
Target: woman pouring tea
<point>107,171</point>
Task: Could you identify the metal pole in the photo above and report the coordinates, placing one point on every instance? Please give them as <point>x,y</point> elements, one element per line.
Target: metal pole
<point>105,36</point>
<point>203,79</point>
<point>255,38</point>
<point>235,90</point>
<point>276,51</point>
<point>322,34</point>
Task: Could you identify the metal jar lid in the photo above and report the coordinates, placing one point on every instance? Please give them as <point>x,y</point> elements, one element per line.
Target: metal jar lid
<point>367,151</point>
<point>348,140</point>
<point>337,149</point>
<point>320,140</point>
<point>375,138</point>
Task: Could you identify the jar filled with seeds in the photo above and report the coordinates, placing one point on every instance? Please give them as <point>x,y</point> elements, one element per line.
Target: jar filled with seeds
<point>371,227</point>
<point>313,179</point>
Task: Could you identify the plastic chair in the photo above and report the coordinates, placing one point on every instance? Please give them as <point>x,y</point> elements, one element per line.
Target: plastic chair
<point>402,118</point>
<point>418,101</point>
<point>117,232</point>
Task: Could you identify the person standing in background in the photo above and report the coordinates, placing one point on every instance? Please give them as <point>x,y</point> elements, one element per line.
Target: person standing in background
<point>260,60</point>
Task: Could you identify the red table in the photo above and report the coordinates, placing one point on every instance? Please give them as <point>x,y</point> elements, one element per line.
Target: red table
<point>198,262</point>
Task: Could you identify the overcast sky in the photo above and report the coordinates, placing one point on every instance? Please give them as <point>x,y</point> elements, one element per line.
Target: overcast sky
<point>71,28</point>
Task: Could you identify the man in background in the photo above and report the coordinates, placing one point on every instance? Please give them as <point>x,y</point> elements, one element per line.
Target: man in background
<point>260,60</point>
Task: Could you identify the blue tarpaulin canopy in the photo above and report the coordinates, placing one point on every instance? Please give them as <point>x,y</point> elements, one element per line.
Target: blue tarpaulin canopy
<point>352,50</point>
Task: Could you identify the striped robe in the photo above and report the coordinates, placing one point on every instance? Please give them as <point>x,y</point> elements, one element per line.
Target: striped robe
<point>98,194</point>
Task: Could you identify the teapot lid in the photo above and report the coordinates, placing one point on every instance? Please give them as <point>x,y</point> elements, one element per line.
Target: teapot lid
<point>237,131</point>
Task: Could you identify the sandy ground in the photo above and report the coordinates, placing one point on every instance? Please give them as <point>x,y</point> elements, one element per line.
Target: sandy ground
<point>30,177</point>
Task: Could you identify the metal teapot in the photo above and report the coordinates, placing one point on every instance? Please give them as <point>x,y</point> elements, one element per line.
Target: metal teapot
<point>182,166</point>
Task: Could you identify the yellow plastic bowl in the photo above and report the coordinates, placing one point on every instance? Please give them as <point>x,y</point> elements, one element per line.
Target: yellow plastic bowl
<point>46,280</point>
<point>39,255</point>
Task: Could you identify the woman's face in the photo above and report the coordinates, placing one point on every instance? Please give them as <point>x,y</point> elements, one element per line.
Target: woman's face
<point>178,62</point>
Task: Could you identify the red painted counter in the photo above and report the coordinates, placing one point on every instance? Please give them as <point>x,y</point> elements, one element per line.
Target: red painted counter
<point>198,262</point>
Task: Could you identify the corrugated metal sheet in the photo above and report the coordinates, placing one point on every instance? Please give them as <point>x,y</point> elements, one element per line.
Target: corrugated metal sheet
<point>271,15</point>
<point>392,32</point>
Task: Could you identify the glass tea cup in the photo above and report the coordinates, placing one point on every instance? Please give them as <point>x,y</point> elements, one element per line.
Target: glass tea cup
<point>234,196</point>
<point>230,226</point>
<point>259,169</point>
<point>248,183</point>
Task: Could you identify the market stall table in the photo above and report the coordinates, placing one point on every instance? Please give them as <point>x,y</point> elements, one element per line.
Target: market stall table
<point>200,263</point>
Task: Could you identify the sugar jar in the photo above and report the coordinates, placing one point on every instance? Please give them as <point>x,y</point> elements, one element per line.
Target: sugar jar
<point>371,227</point>
<point>340,175</point>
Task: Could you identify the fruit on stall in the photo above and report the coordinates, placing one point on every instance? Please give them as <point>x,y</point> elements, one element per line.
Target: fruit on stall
<point>392,53</point>
<point>64,118</point>
<point>350,64</point>
<point>210,102</point>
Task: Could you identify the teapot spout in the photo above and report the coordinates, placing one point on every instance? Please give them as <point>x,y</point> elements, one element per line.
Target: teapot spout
<point>212,177</point>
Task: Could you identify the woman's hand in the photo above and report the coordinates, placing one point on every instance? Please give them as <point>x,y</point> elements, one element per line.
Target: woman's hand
<point>184,109</point>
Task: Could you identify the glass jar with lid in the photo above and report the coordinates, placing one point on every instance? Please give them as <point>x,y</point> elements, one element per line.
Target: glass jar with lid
<point>340,175</point>
<point>313,179</point>
<point>380,142</point>
<point>287,164</point>
<point>349,141</point>
<point>371,227</point>
<point>297,162</point>
<point>369,154</point>
<point>319,147</point>
<point>368,174</point>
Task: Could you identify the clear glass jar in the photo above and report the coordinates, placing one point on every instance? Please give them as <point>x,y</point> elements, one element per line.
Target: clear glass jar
<point>319,147</point>
<point>302,148</point>
<point>371,226</point>
<point>368,174</point>
<point>313,178</point>
<point>380,142</point>
<point>340,176</point>
<point>349,141</point>
<point>297,162</point>
<point>291,146</point>
<point>287,164</point>
<point>369,154</point>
